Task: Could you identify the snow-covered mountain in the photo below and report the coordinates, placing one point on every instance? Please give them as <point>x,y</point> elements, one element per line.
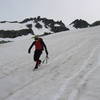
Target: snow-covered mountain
<point>72,71</point>
<point>40,26</point>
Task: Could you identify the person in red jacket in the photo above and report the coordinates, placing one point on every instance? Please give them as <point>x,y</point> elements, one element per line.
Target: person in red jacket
<point>39,47</point>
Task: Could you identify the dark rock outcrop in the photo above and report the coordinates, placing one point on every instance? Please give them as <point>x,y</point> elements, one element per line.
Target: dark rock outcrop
<point>96,23</point>
<point>14,33</point>
<point>79,23</point>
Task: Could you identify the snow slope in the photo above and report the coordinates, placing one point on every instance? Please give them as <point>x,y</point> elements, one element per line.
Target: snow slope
<point>72,71</point>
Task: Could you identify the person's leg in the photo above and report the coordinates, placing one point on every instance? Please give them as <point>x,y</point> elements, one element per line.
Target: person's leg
<point>37,55</point>
<point>35,58</point>
<point>38,59</point>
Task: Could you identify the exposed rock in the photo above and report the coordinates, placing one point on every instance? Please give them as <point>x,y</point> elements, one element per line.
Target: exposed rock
<point>79,23</point>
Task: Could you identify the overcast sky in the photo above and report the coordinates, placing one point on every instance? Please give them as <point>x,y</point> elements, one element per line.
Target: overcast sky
<point>65,10</point>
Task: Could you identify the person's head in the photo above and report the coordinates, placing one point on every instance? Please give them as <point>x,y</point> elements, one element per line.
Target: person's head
<point>36,37</point>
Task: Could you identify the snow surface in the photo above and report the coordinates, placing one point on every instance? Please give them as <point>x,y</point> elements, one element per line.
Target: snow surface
<point>72,71</point>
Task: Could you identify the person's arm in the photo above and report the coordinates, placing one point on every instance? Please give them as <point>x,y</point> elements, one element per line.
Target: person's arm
<point>29,50</point>
<point>45,48</point>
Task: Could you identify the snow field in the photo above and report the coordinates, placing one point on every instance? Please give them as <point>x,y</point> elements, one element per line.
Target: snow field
<point>72,72</point>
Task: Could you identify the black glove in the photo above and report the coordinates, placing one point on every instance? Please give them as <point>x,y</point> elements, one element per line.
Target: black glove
<point>46,54</point>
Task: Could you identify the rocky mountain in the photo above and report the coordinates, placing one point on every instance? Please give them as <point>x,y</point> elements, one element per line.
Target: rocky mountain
<point>79,23</point>
<point>96,23</point>
<point>37,25</point>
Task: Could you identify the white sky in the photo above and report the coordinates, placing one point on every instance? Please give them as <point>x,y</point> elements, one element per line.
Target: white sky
<point>65,10</point>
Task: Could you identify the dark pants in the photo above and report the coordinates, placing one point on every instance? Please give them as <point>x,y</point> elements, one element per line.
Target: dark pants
<point>37,55</point>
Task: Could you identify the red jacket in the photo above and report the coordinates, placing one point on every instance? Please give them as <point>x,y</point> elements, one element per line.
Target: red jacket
<point>39,45</point>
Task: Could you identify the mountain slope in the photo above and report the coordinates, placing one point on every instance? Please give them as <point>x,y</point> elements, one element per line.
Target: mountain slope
<point>70,73</point>
<point>40,26</point>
